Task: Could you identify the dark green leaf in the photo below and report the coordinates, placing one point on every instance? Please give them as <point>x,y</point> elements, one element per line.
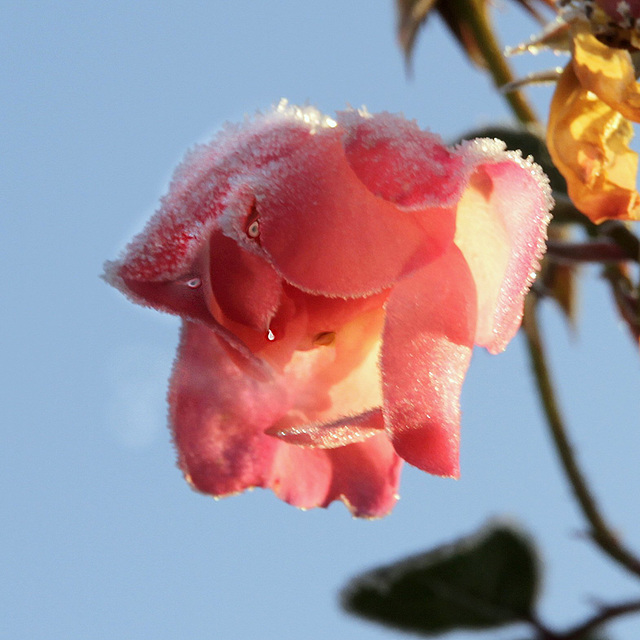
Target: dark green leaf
<point>482,581</point>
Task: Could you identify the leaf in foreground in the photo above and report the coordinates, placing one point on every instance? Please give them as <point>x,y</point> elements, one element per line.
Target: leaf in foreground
<point>485,580</point>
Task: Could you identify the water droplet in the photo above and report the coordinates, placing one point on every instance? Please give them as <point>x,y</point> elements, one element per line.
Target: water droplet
<point>253,230</point>
<point>270,335</point>
<point>194,283</point>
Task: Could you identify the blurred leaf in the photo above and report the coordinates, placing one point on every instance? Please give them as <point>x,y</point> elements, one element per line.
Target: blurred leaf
<point>482,581</point>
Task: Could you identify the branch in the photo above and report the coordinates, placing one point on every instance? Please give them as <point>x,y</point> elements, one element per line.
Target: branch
<point>499,68</point>
<point>600,532</point>
<point>605,614</point>
<point>566,212</point>
<point>577,252</point>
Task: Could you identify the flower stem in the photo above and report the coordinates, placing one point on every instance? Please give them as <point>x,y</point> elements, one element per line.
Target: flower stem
<point>606,614</point>
<point>480,25</point>
<point>579,252</point>
<point>600,532</point>
<point>565,212</point>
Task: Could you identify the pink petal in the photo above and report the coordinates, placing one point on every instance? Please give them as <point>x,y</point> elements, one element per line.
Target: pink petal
<point>306,188</point>
<point>190,297</point>
<point>399,162</point>
<point>365,476</point>
<point>180,228</point>
<point>328,234</point>
<point>246,287</point>
<point>427,343</point>
<point>219,413</point>
<point>501,230</point>
<point>182,294</point>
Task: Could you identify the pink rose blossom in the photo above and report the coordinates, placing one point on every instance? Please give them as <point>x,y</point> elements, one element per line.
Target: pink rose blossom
<point>332,277</point>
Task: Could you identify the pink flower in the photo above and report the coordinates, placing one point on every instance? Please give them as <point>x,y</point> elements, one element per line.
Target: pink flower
<point>333,277</point>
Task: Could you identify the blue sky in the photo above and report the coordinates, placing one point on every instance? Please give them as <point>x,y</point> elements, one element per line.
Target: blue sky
<point>101,536</point>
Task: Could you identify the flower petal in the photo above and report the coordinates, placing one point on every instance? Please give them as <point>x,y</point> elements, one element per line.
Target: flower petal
<point>328,234</point>
<point>501,229</point>
<point>246,287</point>
<point>330,435</point>
<point>589,143</point>
<point>427,343</point>
<point>219,413</point>
<point>399,162</point>
<point>189,296</point>
<point>180,228</point>
<point>365,476</point>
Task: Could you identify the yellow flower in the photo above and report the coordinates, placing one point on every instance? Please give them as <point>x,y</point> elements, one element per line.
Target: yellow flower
<point>589,128</point>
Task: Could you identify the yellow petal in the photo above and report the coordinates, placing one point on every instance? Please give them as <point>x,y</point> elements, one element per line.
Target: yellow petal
<point>608,73</point>
<point>588,142</point>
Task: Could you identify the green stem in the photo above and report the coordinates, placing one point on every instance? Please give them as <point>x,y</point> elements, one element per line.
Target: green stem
<point>478,20</point>
<point>600,532</point>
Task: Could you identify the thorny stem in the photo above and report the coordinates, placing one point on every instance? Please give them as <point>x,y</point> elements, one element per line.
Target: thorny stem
<point>477,14</point>
<point>600,532</point>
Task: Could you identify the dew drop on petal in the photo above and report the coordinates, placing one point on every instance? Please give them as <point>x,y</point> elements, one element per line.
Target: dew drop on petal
<point>270,335</point>
<point>253,230</point>
<point>193,283</point>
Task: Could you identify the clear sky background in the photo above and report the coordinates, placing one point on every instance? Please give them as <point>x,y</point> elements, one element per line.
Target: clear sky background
<point>100,536</point>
